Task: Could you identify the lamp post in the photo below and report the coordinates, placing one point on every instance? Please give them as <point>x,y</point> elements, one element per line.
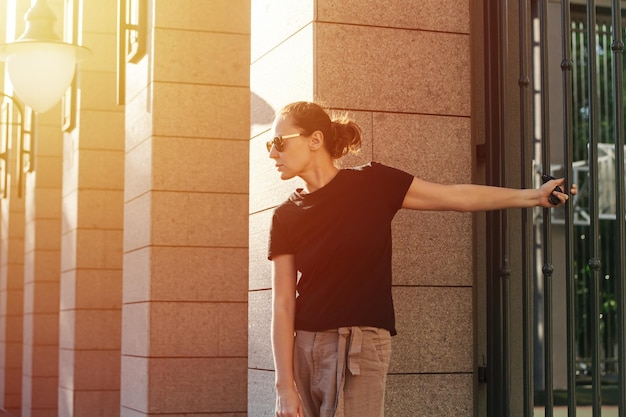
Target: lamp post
<point>40,67</point>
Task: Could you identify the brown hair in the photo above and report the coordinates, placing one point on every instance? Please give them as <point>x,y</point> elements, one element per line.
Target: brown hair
<point>341,135</point>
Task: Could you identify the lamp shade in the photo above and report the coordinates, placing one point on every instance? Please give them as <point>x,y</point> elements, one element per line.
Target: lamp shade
<point>40,72</point>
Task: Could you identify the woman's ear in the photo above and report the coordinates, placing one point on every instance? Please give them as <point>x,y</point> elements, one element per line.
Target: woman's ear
<point>317,140</point>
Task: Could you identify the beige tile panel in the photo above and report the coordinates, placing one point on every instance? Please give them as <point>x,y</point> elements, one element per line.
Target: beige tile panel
<point>97,370</point>
<point>97,329</point>
<point>134,384</point>
<point>186,219</point>
<point>261,393</point>
<point>137,223</point>
<point>99,402</point>
<point>98,91</point>
<point>201,111</point>
<point>171,386</point>
<point>230,16</point>
<point>275,21</point>
<point>48,202</point>
<point>49,140</point>
<point>101,130</point>
<point>260,271</point>
<point>430,395</point>
<point>209,385</point>
<point>101,170</point>
<point>432,15</point>
<point>136,329</point>
<point>41,298</point>
<point>136,280</point>
<point>66,338</point>
<point>138,170</point>
<point>192,57</point>
<point>103,51</point>
<point>259,330</point>
<point>196,329</point>
<point>69,220</point>
<point>99,17</point>
<point>48,171</point>
<point>433,248</point>
<point>180,164</point>
<point>434,148</point>
<point>45,330</point>
<point>185,274</point>
<point>399,71</point>
<point>45,360</point>
<point>98,289</point>
<point>66,401</point>
<point>101,209</point>
<point>44,395</point>
<point>47,234</point>
<point>95,249</point>
<point>199,274</point>
<point>47,266</point>
<point>138,89</point>
<point>434,330</point>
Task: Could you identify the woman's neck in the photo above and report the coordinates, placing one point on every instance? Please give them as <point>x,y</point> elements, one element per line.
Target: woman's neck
<point>319,177</point>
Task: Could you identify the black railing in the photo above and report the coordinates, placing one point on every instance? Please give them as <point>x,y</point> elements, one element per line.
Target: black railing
<point>593,224</point>
<point>588,236</point>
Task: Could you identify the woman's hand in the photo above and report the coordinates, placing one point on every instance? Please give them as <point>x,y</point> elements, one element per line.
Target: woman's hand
<point>288,403</point>
<point>548,189</point>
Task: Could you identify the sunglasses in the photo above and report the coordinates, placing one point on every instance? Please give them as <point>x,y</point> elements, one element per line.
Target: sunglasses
<point>279,141</point>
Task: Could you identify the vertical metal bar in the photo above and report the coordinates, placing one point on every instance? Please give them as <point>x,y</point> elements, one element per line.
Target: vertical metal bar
<point>594,261</point>
<point>570,284</point>
<point>603,90</point>
<point>547,268</point>
<point>617,48</point>
<point>495,370</point>
<point>505,271</point>
<point>526,179</point>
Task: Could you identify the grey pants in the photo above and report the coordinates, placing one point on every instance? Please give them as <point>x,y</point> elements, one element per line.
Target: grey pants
<point>342,372</point>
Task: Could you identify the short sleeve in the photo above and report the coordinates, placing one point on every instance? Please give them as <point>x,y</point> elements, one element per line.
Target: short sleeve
<point>278,240</point>
<point>393,182</point>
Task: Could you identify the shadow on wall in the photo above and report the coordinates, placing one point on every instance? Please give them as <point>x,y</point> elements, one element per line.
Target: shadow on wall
<point>261,113</point>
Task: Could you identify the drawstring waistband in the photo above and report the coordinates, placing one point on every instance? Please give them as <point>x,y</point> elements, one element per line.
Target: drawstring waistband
<point>349,349</point>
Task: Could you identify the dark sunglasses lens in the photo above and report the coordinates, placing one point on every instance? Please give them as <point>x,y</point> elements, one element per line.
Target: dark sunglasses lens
<point>277,142</point>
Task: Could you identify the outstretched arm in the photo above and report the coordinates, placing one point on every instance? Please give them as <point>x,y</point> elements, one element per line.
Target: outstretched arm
<point>424,195</point>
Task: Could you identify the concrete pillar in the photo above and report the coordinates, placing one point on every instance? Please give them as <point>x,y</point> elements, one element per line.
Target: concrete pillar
<point>42,267</point>
<point>185,211</point>
<point>12,255</point>
<point>11,301</point>
<point>91,266</point>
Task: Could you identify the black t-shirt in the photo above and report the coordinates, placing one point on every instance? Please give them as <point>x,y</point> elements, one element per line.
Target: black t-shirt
<point>341,238</point>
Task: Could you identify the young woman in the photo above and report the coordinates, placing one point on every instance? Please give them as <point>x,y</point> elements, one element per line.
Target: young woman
<point>330,247</point>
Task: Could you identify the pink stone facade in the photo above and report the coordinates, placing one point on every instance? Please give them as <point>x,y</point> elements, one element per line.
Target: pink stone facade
<point>133,271</point>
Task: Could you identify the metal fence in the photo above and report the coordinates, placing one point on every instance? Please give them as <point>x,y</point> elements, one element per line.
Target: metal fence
<point>589,146</point>
<point>592,69</point>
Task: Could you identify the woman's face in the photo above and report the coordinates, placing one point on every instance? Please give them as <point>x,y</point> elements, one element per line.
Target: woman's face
<point>295,155</point>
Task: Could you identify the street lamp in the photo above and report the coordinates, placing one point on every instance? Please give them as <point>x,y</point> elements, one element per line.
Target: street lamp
<point>40,67</point>
<point>39,64</point>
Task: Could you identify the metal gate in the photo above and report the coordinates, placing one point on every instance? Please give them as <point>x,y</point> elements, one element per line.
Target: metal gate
<point>565,355</point>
